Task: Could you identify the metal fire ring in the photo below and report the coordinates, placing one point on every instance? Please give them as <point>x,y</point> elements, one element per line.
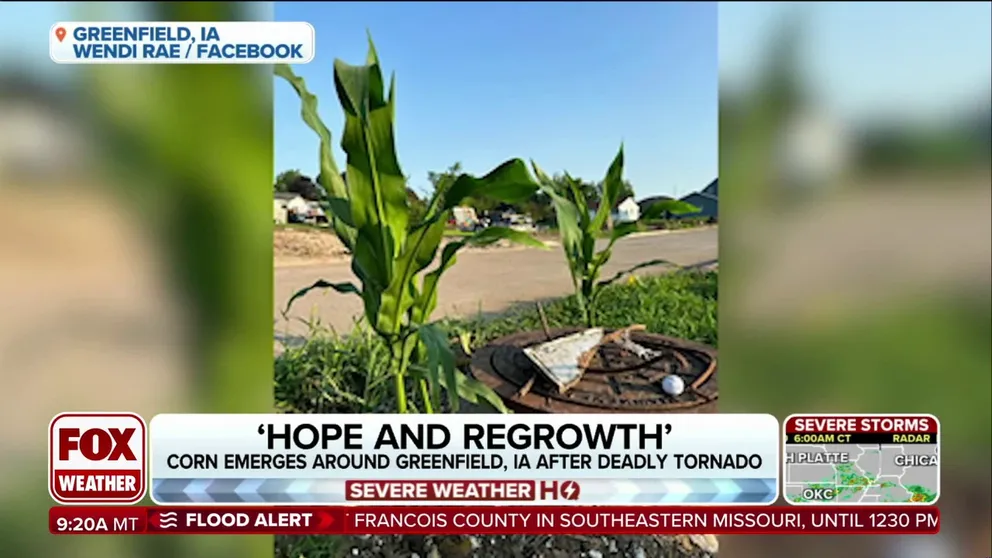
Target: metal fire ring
<point>615,382</point>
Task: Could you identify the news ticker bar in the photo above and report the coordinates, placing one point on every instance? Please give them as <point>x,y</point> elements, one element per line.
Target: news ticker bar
<point>492,520</point>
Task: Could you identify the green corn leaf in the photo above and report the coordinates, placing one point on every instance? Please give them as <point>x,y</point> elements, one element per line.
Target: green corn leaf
<point>601,258</point>
<point>568,217</point>
<point>509,182</point>
<point>632,269</point>
<point>542,177</point>
<point>491,235</point>
<point>341,209</point>
<point>675,207</point>
<point>344,288</point>
<point>622,230</point>
<point>329,172</point>
<point>612,187</point>
<point>377,187</point>
<point>419,252</point>
<point>440,365</point>
<point>427,299</point>
<point>476,392</point>
<point>580,200</point>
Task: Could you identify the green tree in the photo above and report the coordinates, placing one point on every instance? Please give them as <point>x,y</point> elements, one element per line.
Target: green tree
<point>286,178</point>
<point>441,181</point>
<point>296,182</point>
<point>539,207</point>
<point>418,206</point>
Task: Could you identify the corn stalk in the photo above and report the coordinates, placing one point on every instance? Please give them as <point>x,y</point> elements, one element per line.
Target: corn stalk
<point>579,229</point>
<point>391,253</point>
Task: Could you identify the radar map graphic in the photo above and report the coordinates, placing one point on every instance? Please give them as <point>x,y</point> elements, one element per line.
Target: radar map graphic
<point>867,463</point>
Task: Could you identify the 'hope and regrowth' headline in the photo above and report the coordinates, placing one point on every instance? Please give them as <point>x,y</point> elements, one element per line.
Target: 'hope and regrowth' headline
<point>125,42</point>
<point>431,447</point>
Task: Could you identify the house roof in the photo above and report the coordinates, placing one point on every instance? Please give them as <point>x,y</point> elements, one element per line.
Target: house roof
<point>713,188</point>
<point>703,195</point>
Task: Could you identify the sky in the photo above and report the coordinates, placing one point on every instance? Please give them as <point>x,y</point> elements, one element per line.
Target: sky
<point>900,59</point>
<point>560,83</point>
<point>564,83</point>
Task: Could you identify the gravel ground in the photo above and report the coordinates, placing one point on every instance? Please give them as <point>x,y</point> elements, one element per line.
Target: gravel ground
<point>515,547</point>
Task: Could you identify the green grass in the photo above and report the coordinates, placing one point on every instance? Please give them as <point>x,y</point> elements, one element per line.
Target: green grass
<point>301,227</point>
<point>333,373</point>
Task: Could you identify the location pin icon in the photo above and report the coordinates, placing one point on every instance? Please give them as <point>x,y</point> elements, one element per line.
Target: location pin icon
<point>60,34</point>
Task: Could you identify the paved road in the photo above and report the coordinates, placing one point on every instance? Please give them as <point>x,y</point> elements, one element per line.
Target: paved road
<point>486,281</point>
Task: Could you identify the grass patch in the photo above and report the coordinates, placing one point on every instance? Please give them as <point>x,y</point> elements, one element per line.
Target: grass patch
<point>333,373</point>
<point>301,227</point>
<point>678,304</point>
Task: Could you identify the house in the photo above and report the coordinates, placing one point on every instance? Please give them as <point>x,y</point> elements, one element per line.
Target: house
<point>280,215</point>
<point>465,218</point>
<point>706,200</point>
<point>626,211</point>
<point>296,207</point>
<point>41,137</point>
<point>315,213</point>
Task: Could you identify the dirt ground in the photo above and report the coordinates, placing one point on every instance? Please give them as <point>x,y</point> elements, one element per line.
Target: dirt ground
<point>301,246</point>
<point>298,246</point>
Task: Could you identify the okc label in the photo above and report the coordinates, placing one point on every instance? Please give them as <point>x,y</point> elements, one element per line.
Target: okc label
<point>97,458</point>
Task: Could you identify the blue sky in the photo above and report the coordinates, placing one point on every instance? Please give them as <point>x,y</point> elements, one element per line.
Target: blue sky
<point>916,60</point>
<point>560,83</point>
<point>564,83</point>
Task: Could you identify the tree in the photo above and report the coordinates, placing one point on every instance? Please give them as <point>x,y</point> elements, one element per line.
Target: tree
<point>418,207</point>
<point>440,181</point>
<point>539,208</point>
<point>286,178</point>
<point>307,189</point>
<point>627,191</point>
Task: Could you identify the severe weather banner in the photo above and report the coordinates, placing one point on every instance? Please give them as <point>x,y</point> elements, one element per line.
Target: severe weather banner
<point>89,42</point>
<point>464,459</point>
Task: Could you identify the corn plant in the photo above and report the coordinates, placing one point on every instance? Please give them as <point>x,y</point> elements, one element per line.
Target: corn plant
<point>390,252</point>
<point>579,230</point>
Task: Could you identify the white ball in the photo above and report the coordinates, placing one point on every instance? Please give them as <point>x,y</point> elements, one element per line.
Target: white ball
<point>673,385</point>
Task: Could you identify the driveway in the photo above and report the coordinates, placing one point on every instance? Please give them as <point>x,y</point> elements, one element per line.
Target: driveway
<point>483,281</point>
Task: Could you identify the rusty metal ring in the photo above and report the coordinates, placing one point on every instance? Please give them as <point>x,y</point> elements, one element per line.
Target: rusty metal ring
<point>623,388</point>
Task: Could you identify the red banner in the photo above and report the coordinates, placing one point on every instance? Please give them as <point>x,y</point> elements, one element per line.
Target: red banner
<point>491,520</point>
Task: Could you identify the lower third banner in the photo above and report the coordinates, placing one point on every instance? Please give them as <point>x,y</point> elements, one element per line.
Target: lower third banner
<point>463,459</point>
<point>492,520</point>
